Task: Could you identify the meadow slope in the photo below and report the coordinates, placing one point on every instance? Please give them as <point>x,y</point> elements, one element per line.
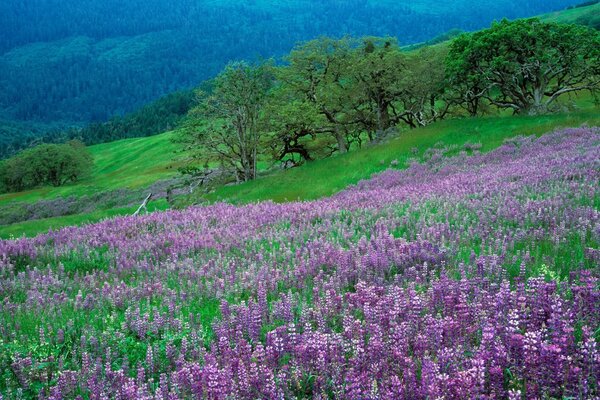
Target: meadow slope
<point>137,163</point>
<point>574,15</point>
<point>465,276</point>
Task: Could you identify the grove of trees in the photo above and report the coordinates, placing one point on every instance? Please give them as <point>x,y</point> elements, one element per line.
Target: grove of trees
<point>525,65</point>
<point>46,164</point>
<point>332,95</point>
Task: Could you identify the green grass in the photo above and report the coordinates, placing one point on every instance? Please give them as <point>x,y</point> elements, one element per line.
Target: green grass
<point>140,162</point>
<point>572,15</point>
<point>34,227</point>
<point>129,163</point>
<point>328,176</point>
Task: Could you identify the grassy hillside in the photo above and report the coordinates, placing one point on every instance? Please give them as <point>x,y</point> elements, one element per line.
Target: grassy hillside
<point>584,15</point>
<point>139,162</point>
<point>574,15</point>
<point>325,177</point>
<point>129,163</point>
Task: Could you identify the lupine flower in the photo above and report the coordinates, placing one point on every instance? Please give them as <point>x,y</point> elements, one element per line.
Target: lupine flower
<point>466,277</point>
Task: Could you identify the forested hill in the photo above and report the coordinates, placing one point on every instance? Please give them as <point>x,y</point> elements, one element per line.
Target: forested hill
<point>77,61</point>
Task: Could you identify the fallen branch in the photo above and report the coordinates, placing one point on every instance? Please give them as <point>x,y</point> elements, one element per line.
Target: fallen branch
<point>143,205</point>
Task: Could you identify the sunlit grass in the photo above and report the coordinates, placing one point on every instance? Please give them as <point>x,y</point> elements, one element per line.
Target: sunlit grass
<point>328,176</point>
<point>136,163</point>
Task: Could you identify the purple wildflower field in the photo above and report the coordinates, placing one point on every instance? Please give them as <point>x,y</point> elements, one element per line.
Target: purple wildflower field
<point>466,277</point>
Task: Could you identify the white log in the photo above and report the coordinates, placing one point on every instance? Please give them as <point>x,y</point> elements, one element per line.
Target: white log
<point>143,205</point>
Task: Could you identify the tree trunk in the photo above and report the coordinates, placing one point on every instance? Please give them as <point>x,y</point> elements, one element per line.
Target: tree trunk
<point>341,140</point>
<point>539,106</point>
<point>247,169</point>
<point>383,119</point>
<point>473,106</point>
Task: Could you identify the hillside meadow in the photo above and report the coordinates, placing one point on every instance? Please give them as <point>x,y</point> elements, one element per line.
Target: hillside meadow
<point>467,275</point>
<point>137,163</point>
<point>357,219</point>
<point>586,15</point>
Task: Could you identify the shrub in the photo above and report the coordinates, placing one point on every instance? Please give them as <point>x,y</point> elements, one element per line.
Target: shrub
<point>46,164</point>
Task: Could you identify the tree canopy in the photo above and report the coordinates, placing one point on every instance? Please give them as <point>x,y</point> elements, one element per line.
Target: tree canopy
<point>525,65</point>
<point>46,164</point>
<point>334,95</point>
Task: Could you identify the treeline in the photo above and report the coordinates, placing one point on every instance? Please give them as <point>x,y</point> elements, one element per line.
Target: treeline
<point>46,164</point>
<point>584,4</point>
<point>159,116</point>
<point>85,61</point>
<point>335,95</point>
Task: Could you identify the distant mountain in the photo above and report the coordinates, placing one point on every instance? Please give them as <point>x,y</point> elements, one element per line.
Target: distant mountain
<point>77,61</point>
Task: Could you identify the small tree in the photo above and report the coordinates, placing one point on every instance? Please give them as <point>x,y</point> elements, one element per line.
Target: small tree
<point>57,164</point>
<point>52,164</point>
<point>377,68</point>
<point>423,87</point>
<point>15,175</point>
<point>318,74</point>
<point>525,65</point>
<point>225,127</point>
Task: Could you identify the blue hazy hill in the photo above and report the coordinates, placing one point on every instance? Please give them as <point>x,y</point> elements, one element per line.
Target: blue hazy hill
<point>76,61</point>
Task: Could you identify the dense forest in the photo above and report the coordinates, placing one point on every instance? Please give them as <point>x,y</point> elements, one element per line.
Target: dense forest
<point>55,65</point>
<point>156,117</point>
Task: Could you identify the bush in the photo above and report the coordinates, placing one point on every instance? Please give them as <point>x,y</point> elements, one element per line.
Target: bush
<point>46,164</point>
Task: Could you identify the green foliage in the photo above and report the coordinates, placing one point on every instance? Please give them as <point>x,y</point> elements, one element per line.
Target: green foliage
<point>81,61</point>
<point>316,78</point>
<point>225,126</point>
<point>329,97</point>
<point>292,135</point>
<point>377,70</point>
<point>328,176</point>
<point>157,117</point>
<point>47,164</point>
<point>393,87</point>
<point>524,65</point>
<point>424,97</point>
<point>333,94</point>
